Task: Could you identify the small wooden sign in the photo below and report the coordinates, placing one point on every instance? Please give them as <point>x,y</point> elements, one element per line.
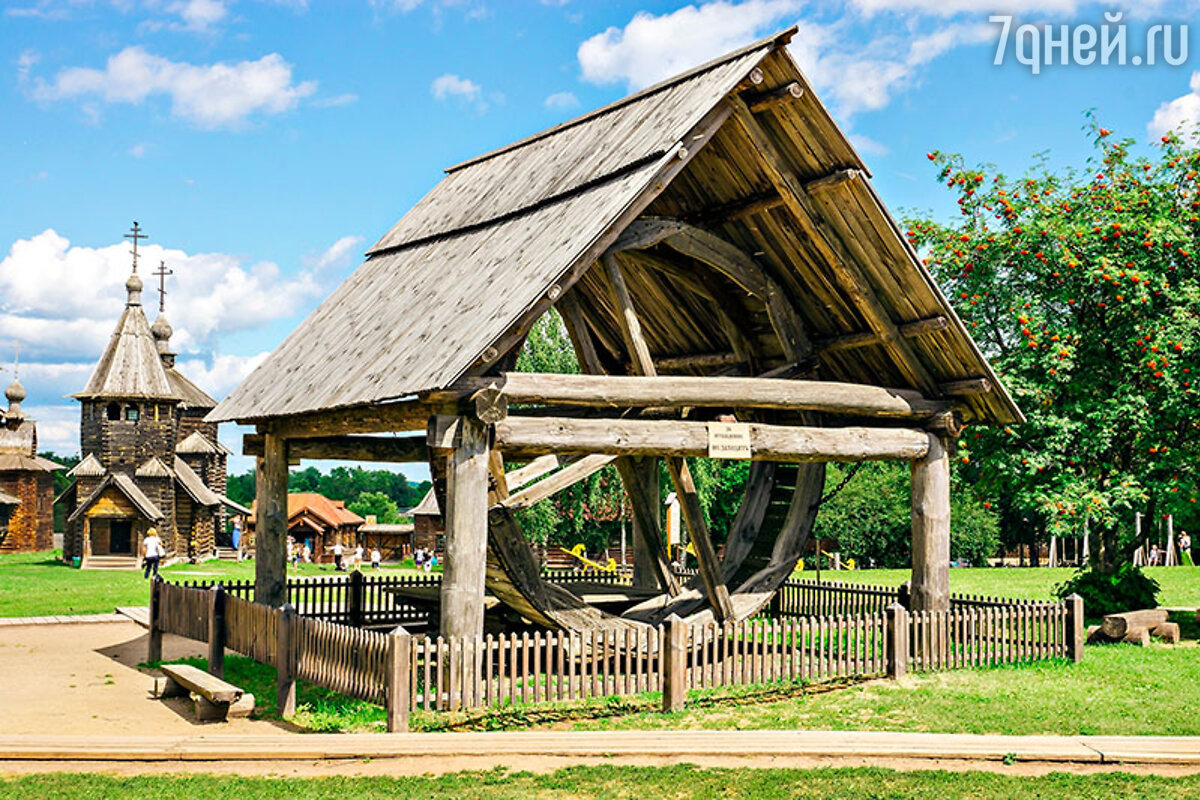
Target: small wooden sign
<point>729,440</point>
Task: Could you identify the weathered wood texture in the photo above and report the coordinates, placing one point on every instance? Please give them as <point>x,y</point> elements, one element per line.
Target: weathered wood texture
<point>931,528</point>
<point>1115,626</point>
<point>530,437</point>
<point>348,448</point>
<point>466,530</point>
<point>623,391</point>
<point>270,561</point>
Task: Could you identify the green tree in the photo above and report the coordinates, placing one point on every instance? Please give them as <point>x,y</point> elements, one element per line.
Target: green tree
<point>1082,287</point>
<point>376,504</point>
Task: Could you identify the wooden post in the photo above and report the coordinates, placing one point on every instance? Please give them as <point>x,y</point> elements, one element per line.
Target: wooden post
<point>285,663</point>
<point>674,663</point>
<point>931,529</point>
<point>216,631</point>
<point>270,535</point>
<point>154,653</point>
<point>354,599</point>
<point>640,477</point>
<point>1075,630</point>
<point>399,681</point>
<point>466,532</point>
<point>706,554</point>
<point>897,640</point>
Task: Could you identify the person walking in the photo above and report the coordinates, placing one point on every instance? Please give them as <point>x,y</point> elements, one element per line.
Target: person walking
<point>337,556</point>
<point>153,551</point>
<point>376,558</point>
<point>1185,550</point>
<point>358,556</point>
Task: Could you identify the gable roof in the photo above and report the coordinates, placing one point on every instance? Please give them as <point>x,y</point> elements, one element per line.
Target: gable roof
<point>457,280</point>
<point>153,468</point>
<point>89,467</point>
<point>125,485</point>
<point>196,443</point>
<point>186,477</point>
<point>130,366</point>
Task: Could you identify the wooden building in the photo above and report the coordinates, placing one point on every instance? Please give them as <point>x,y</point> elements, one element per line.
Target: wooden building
<point>393,540</point>
<point>149,457</point>
<point>319,522</point>
<point>429,530</point>
<point>26,481</point>
<point>717,252</point>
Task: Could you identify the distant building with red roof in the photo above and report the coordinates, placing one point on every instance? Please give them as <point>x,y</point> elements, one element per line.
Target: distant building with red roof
<point>319,522</point>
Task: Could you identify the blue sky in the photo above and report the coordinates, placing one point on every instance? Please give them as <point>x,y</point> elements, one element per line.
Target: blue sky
<point>264,144</point>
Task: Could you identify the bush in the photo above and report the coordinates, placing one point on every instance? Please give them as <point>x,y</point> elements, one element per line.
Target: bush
<point>1126,588</point>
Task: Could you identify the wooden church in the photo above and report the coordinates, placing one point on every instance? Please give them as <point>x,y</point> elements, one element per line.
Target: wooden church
<point>26,481</point>
<point>148,457</point>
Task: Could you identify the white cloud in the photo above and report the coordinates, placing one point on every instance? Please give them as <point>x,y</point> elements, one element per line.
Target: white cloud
<point>562,101</point>
<point>865,144</point>
<point>402,6</point>
<point>650,48</point>
<point>220,95</point>
<point>199,15</point>
<point>449,85</point>
<point>1179,115</point>
<point>335,101</point>
<point>220,374</point>
<point>138,150</point>
<point>25,63</point>
<point>338,255</point>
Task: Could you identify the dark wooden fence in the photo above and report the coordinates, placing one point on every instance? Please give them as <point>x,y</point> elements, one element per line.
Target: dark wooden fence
<point>403,672</point>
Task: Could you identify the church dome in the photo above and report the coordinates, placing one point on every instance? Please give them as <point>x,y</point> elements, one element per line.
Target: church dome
<point>15,393</point>
<point>161,329</point>
<point>134,284</point>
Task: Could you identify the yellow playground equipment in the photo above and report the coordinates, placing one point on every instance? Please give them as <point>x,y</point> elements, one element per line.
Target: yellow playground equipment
<point>580,552</point>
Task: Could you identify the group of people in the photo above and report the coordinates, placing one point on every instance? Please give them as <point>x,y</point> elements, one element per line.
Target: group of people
<point>425,561</point>
<point>1157,557</point>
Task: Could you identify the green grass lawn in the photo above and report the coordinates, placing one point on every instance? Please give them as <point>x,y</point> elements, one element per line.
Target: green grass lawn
<point>40,584</point>
<point>1180,585</point>
<point>610,781</point>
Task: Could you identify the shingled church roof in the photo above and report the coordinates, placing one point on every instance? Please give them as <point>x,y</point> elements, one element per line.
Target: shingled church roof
<point>739,147</point>
<point>130,366</point>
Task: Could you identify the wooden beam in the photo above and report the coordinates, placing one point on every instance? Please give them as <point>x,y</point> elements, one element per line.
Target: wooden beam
<point>405,449</point>
<point>834,251</point>
<point>271,523</point>
<point>631,328</point>
<point>931,529</point>
<point>543,465</point>
<point>832,180</point>
<point>528,437</point>
<point>909,330</point>
<point>967,386</point>
<point>410,415</point>
<point>738,209</point>
<point>706,554</point>
<point>759,102</point>
<point>697,361</point>
<point>466,518</point>
<point>568,476</point>
<point>685,391</point>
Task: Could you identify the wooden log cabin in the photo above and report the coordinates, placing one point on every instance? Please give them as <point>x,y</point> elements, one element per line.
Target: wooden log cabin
<point>150,459</point>
<point>320,523</point>
<point>26,481</point>
<point>732,285</point>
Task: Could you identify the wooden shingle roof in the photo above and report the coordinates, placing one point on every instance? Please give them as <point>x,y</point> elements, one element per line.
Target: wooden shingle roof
<point>456,283</point>
<point>130,366</point>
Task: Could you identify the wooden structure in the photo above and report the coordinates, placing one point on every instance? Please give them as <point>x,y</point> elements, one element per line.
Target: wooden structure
<point>212,698</point>
<point>319,522</point>
<point>393,540</point>
<point>26,481</point>
<point>716,251</point>
<point>149,456</point>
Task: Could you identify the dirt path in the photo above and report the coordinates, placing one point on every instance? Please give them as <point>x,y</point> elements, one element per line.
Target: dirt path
<point>83,679</point>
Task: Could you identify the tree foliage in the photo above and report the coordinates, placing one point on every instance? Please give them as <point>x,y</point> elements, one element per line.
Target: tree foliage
<point>378,505</point>
<point>1082,288</point>
<point>340,483</point>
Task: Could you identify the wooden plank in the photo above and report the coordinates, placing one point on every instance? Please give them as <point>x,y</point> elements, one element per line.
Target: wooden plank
<point>568,476</point>
<point>348,448</point>
<point>270,536</point>
<point>681,391</point>
<point>706,554</point>
<point>530,437</point>
<point>931,528</point>
<point>462,591</point>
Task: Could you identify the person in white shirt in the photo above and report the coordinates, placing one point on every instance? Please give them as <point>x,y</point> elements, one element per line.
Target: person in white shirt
<point>376,557</point>
<point>337,556</point>
<point>153,551</point>
<point>358,556</point>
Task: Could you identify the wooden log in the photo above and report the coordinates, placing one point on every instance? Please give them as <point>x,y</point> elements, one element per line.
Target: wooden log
<point>706,554</point>
<point>729,212</point>
<point>386,418</point>
<point>404,449</point>
<point>398,698</point>
<point>909,330</point>
<point>966,387</point>
<point>1115,626</point>
<point>1074,625</point>
<point>763,101</point>
<point>685,391</point>
<point>216,631</point>
<point>675,671</point>
<point>527,437</point>
<point>1167,631</point>
<point>560,480</point>
<point>285,661</point>
<point>1138,636</point>
<point>462,592</point>
<point>542,465</point>
<point>270,533</point>
<point>697,361</point>
<point>931,528</point>
<point>631,327</point>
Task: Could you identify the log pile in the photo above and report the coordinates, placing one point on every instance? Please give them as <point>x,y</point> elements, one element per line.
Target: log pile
<point>1135,627</point>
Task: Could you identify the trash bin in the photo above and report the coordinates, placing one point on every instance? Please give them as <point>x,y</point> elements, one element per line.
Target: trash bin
<point>75,561</point>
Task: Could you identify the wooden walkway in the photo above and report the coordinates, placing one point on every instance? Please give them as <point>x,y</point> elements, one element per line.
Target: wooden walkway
<point>214,746</point>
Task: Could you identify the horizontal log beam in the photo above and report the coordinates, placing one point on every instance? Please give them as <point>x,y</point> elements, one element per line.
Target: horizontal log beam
<point>909,330</point>
<point>676,391</point>
<point>728,212</point>
<point>762,101</point>
<point>967,386</point>
<point>523,437</point>
<point>388,418</point>
<point>404,449</point>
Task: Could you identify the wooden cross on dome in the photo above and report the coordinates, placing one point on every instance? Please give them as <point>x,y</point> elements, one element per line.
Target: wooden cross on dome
<point>161,273</point>
<point>136,234</point>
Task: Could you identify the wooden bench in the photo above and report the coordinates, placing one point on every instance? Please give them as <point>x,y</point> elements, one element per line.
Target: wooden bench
<point>213,698</point>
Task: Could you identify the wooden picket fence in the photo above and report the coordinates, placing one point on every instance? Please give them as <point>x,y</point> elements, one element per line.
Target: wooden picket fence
<point>407,673</point>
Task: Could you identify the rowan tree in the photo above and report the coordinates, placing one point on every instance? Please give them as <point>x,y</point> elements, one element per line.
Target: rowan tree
<point>1082,288</point>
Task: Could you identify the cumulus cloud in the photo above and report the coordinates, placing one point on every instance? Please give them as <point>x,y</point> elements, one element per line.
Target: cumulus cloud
<point>339,255</point>
<point>200,16</point>
<point>852,75</point>
<point>220,95</point>
<point>448,85</point>
<point>562,101</point>
<point>1181,115</point>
